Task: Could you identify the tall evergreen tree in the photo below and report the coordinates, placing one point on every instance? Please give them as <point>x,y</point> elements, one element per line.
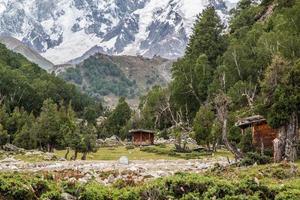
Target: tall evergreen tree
<point>193,73</point>
<point>207,37</point>
<point>118,118</point>
<point>49,126</point>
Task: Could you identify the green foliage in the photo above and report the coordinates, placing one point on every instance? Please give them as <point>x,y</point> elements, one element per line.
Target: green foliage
<point>179,186</point>
<point>3,136</point>
<point>94,191</point>
<point>290,194</point>
<point>203,124</point>
<point>104,78</point>
<point>26,137</point>
<point>246,142</point>
<point>117,119</point>
<point>194,72</point>
<point>153,106</point>
<point>281,88</point>
<point>24,84</point>
<point>48,125</point>
<point>252,158</point>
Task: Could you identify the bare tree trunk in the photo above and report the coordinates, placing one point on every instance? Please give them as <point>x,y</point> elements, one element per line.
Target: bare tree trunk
<point>75,154</point>
<point>288,140</point>
<point>222,102</point>
<point>208,146</point>
<point>277,150</point>
<point>84,156</point>
<point>262,147</point>
<point>228,145</point>
<point>292,138</point>
<point>67,153</point>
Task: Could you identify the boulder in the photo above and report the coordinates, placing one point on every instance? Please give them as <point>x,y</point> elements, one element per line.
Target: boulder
<point>67,196</point>
<point>49,157</point>
<point>13,148</point>
<point>9,160</point>
<point>124,160</point>
<point>113,141</point>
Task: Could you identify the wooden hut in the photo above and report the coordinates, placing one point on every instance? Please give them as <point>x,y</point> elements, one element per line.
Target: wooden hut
<point>262,134</point>
<point>142,137</point>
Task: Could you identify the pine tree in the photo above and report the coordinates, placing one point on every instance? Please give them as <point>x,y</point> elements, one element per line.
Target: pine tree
<point>118,118</point>
<point>49,134</point>
<point>26,137</point>
<point>193,73</point>
<point>203,124</point>
<point>207,37</point>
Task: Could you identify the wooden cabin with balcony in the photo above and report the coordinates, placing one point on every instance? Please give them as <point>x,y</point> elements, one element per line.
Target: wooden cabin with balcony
<point>263,135</point>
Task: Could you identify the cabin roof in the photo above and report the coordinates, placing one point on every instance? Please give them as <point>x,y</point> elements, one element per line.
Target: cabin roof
<point>141,131</point>
<point>248,121</point>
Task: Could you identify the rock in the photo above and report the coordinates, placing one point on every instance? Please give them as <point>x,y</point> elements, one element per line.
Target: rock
<point>124,160</point>
<point>9,160</point>
<point>62,159</point>
<point>256,180</point>
<point>33,153</point>
<point>111,179</point>
<point>67,196</point>
<point>49,157</point>
<point>113,141</point>
<point>13,148</point>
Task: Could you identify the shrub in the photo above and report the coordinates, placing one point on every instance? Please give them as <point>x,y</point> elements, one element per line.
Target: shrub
<point>253,157</point>
<point>289,194</point>
<point>15,188</point>
<point>52,195</point>
<point>129,147</point>
<point>93,191</point>
<point>220,190</point>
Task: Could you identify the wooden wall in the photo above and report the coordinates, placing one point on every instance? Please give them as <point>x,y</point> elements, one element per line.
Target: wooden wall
<point>265,133</point>
<point>141,138</point>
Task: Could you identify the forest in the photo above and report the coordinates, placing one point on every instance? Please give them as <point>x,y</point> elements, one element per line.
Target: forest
<point>248,67</point>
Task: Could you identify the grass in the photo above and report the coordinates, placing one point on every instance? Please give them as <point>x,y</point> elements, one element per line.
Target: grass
<point>114,153</point>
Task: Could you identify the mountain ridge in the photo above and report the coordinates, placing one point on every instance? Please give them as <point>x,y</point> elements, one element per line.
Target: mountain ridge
<point>17,46</point>
<point>108,77</point>
<point>63,30</point>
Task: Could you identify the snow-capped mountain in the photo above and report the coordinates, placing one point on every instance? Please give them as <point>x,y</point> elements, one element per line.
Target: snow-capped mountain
<point>62,30</point>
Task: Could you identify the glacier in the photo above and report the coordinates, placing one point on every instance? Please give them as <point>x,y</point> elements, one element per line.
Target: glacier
<point>62,30</point>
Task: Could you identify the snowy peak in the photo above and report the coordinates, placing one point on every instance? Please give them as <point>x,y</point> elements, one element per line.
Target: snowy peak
<point>65,29</point>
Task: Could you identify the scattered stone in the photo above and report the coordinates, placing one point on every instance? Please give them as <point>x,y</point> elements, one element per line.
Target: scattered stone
<point>113,141</point>
<point>62,159</point>
<point>34,153</point>
<point>124,160</point>
<point>111,179</point>
<point>256,180</point>
<point>9,160</point>
<point>49,157</point>
<point>67,196</point>
<point>13,148</point>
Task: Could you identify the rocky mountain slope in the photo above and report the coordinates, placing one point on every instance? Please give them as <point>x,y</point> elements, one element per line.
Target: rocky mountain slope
<point>33,56</point>
<point>65,29</point>
<point>109,77</point>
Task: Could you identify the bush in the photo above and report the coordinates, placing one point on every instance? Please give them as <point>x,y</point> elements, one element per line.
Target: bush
<point>94,191</point>
<point>14,188</point>
<point>129,147</point>
<point>252,158</point>
<point>287,195</point>
<point>53,195</point>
